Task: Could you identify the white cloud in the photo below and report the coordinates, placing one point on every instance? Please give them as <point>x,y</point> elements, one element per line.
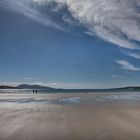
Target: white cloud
<point>127,66</point>
<point>115,21</point>
<point>112,20</point>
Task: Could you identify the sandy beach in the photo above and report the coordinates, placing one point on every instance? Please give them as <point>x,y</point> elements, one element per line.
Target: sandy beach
<point>43,117</point>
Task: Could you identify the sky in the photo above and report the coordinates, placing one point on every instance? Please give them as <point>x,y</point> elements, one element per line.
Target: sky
<point>70,43</point>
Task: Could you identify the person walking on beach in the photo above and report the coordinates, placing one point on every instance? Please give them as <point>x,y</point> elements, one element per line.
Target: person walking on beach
<point>36,91</point>
<point>33,91</point>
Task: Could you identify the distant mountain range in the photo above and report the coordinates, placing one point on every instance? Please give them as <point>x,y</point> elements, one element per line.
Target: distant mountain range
<point>39,87</point>
<point>26,86</point>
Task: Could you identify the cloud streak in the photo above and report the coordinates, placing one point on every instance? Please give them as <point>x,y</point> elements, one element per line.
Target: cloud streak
<point>118,77</point>
<point>125,65</point>
<point>28,8</point>
<point>133,53</point>
<point>115,21</point>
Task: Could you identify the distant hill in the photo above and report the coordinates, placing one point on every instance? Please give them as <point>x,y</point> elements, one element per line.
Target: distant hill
<point>39,87</point>
<point>130,88</point>
<point>6,87</point>
<point>26,86</point>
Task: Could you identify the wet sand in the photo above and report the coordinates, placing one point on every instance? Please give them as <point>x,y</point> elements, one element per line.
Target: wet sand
<point>72,121</point>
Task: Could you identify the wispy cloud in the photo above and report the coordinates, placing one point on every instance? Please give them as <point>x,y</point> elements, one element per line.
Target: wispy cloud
<point>133,53</point>
<point>127,66</point>
<point>30,78</point>
<point>30,9</point>
<point>10,83</point>
<point>115,21</point>
<point>118,77</point>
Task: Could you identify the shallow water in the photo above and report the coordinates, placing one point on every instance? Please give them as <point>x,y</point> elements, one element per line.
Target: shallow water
<point>71,98</point>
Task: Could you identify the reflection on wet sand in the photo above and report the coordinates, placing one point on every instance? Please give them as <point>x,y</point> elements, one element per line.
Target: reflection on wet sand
<point>69,117</point>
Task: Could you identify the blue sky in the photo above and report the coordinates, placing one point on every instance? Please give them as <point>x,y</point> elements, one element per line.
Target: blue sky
<point>47,43</point>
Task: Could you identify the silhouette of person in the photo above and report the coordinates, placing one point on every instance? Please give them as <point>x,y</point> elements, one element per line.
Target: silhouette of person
<point>36,91</point>
<point>33,91</point>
